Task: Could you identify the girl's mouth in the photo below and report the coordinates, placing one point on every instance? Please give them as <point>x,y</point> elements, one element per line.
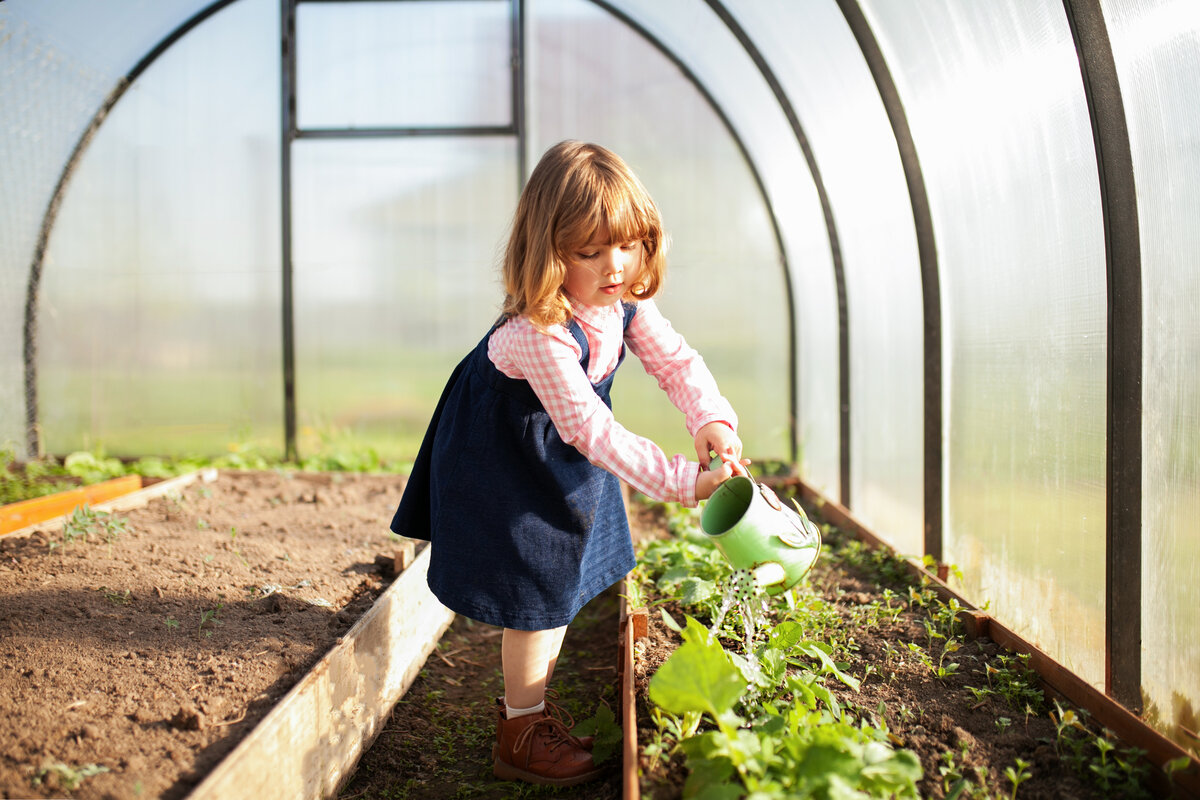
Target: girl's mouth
<point>612,288</point>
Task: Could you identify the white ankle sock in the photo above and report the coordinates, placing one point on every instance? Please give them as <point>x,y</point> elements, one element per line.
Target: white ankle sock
<point>513,713</point>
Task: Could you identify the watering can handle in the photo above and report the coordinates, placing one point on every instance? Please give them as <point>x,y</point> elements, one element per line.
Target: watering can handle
<point>715,460</point>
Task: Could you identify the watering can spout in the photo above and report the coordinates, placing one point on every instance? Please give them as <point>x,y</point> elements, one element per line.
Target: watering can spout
<point>756,532</point>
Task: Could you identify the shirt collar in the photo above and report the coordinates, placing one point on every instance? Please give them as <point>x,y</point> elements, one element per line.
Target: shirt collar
<point>597,317</point>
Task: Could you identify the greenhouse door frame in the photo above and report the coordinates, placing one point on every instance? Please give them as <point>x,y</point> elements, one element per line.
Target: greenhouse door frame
<point>290,132</point>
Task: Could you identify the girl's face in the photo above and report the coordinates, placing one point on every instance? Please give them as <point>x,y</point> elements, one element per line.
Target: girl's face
<point>600,272</point>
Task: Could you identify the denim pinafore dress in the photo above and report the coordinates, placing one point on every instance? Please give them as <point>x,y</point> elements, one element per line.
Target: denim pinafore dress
<point>524,529</point>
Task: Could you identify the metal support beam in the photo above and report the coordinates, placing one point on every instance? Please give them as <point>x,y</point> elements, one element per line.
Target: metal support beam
<point>1123,254</point>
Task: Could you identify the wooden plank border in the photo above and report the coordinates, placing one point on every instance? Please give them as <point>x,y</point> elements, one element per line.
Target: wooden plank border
<point>119,494</point>
<point>309,744</point>
<point>633,626</point>
<point>24,513</point>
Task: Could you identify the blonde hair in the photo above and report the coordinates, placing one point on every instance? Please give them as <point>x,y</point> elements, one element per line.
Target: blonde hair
<point>576,189</point>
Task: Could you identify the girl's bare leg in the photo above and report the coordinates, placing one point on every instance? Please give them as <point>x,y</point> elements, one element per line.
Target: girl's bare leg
<point>528,659</point>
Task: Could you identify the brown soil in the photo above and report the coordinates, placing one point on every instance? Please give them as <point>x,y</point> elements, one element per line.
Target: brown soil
<point>153,657</point>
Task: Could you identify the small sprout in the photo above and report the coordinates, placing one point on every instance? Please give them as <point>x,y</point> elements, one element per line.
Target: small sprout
<point>172,623</point>
<point>210,618</point>
<point>69,778</point>
<point>116,598</point>
<point>1017,776</point>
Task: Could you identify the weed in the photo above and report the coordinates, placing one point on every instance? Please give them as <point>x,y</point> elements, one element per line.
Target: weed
<point>172,623</point>
<point>69,777</point>
<point>84,521</point>
<point>1017,776</point>
<point>116,598</point>
<point>209,618</point>
<point>237,552</point>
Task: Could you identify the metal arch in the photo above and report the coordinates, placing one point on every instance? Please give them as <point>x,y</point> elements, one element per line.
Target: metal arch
<point>793,443</point>
<point>927,256</point>
<point>835,246</point>
<point>1123,443</point>
<point>33,288</point>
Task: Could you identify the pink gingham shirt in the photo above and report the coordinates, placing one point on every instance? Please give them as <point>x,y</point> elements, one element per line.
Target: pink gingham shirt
<point>550,362</point>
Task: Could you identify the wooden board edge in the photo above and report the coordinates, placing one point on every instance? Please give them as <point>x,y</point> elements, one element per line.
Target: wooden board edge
<point>37,510</point>
<point>126,501</point>
<point>630,786</point>
<point>308,745</point>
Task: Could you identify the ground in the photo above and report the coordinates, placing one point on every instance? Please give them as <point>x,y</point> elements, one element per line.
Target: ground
<point>133,660</point>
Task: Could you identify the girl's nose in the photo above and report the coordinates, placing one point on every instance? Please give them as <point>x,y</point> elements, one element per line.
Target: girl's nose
<point>615,264</point>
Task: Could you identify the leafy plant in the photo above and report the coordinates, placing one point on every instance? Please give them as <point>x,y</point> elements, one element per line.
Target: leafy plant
<point>608,734</point>
<point>84,521</point>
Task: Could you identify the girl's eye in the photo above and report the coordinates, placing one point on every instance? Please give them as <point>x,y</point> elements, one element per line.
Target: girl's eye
<point>629,246</point>
<point>588,255</point>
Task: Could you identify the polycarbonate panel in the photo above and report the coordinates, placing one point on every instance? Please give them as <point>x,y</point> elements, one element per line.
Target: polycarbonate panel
<point>995,99</point>
<point>725,288</point>
<point>408,63</point>
<point>1157,48</point>
<point>59,59</point>
<point>397,253</point>
<point>160,311</point>
<point>693,33</point>
<point>820,66</point>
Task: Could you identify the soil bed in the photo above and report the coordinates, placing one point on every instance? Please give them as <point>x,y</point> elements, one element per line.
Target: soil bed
<point>132,661</point>
<point>955,733</point>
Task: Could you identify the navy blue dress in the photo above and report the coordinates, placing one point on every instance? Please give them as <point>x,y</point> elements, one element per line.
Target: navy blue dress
<point>524,529</point>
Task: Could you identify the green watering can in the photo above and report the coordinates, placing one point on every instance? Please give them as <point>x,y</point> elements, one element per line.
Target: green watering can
<point>756,532</point>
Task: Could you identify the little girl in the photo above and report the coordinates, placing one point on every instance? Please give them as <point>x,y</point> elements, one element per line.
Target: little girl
<point>516,482</point>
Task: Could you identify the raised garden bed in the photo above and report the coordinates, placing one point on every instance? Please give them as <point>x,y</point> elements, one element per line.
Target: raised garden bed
<point>874,679</point>
<point>138,648</point>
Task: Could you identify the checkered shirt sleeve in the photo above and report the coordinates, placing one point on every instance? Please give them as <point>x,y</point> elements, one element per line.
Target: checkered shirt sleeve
<point>549,361</point>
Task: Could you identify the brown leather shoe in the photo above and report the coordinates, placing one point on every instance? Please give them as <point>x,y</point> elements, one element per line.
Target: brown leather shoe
<point>538,748</point>
<point>553,709</point>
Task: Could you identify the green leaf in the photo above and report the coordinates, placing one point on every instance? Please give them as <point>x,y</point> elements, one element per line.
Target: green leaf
<point>604,727</point>
<point>786,635</point>
<point>815,650</point>
<point>697,677</point>
<point>695,590</point>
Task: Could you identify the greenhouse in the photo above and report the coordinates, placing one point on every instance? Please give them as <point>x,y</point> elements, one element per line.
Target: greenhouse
<point>941,257</point>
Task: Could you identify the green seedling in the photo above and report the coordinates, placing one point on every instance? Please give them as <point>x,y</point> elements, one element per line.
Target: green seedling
<point>1017,776</point>
<point>233,534</point>
<point>210,618</point>
<point>172,623</point>
<point>117,598</point>
<point>69,778</point>
<point>84,521</point>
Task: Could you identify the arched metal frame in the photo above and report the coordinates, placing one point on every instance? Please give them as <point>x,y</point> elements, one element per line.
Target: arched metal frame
<point>1123,259</point>
<point>835,250</point>
<point>33,432</point>
<point>793,441</point>
<point>930,280</point>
